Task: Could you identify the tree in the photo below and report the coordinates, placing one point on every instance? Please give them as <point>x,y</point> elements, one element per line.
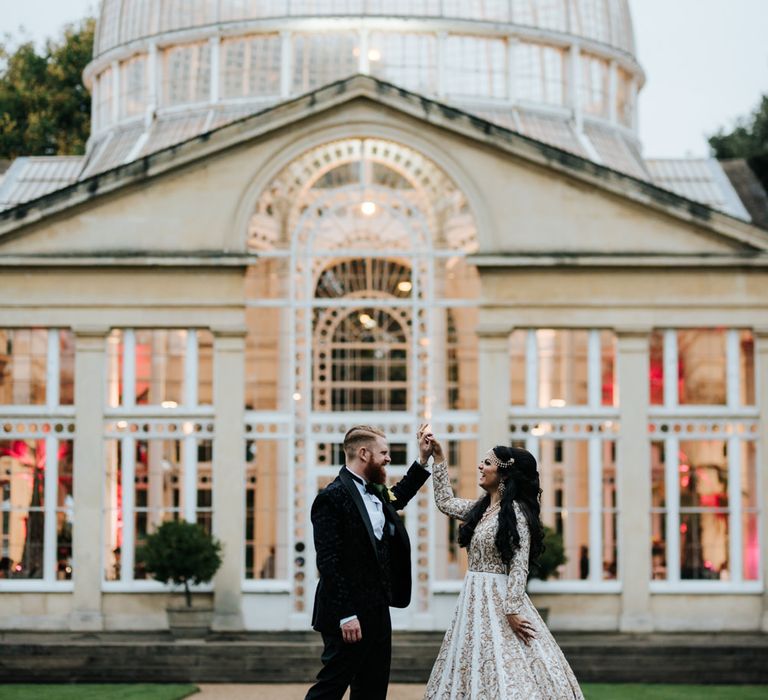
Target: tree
<point>181,552</point>
<point>45,109</point>
<point>749,140</point>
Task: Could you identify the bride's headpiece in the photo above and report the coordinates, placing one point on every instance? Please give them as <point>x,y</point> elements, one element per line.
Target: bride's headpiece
<point>499,464</point>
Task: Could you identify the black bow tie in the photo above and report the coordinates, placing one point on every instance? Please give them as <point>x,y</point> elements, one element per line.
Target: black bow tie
<point>356,477</point>
<point>376,489</point>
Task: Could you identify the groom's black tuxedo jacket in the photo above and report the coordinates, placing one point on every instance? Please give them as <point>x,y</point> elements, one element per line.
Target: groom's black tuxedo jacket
<point>352,577</point>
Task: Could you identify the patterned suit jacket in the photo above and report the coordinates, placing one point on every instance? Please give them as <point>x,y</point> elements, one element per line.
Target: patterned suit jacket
<point>352,579</point>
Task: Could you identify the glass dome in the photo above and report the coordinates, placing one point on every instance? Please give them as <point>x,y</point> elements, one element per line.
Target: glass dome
<point>561,71</point>
<point>606,21</point>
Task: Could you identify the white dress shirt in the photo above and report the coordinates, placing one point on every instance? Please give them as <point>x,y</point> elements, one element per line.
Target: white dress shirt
<point>376,515</point>
<point>373,505</point>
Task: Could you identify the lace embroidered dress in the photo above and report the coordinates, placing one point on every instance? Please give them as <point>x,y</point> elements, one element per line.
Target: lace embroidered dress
<point>481,658</point>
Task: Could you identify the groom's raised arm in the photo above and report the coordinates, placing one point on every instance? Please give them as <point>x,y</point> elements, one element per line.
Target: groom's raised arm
<point>328,536</point>
<point>409,485</point>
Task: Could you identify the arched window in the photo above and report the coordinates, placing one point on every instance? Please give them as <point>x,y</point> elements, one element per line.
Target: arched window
<point>361,352</point>
<point>362,360</point>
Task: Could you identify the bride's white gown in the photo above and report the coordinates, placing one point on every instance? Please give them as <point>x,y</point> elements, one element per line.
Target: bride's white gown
<point>481,658</point>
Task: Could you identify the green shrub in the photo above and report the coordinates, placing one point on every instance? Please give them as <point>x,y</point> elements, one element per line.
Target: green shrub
<point>552,557</point>
<point>181,552</point>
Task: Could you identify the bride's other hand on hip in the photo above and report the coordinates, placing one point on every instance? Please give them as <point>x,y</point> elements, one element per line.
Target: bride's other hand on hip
<point>522,628</point>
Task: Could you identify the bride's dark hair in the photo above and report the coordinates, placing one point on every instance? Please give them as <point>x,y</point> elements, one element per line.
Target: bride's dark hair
<point>521,484</point>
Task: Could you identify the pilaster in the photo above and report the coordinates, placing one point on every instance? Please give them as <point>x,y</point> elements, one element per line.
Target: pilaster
<point>229,474</point>
<point>88,477</point>
<point>494,394</point>
<point>633,477</point>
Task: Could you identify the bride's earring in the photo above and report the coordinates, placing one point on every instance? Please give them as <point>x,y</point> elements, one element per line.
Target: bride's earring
<point>502,488</point>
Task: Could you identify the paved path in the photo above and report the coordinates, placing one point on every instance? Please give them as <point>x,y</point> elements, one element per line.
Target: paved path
<point>399,691</point>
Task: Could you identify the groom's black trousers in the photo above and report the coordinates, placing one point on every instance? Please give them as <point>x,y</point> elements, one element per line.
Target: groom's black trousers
<point>363,665</point>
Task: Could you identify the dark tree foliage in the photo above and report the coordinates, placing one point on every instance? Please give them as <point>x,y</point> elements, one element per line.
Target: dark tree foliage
<point>749,140</point>
<point>181,552</point>
<point>45,109</point>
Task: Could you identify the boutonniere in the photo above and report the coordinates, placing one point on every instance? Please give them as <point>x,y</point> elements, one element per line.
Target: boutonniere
<point>383,492</point>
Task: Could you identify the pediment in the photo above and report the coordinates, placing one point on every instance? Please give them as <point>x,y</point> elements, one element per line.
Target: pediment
<point>529,198</point>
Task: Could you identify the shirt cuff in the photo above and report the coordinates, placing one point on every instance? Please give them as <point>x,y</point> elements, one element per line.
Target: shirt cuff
<point>345,620</point>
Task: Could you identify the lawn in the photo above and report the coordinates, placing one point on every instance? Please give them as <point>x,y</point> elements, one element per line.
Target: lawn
<point>92,691</point>
<point>647,691</point>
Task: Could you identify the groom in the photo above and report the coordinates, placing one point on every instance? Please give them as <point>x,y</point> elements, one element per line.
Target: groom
<point>364,559</point>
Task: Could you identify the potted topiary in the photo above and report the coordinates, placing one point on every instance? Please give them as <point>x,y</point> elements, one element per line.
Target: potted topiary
<point>551,559</point>
<point>183,553</point>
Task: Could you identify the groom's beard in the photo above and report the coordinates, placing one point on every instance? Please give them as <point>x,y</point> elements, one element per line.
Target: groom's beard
<point>376,473</point>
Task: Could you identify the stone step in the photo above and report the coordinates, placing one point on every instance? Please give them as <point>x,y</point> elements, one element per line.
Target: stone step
<point>294,657</point>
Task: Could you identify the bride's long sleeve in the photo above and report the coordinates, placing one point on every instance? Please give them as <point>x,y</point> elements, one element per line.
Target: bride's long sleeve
<point>518,570</point>
<point>445,500</point>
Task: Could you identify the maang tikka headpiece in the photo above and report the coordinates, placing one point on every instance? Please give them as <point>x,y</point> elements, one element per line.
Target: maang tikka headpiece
<point>499,464</point>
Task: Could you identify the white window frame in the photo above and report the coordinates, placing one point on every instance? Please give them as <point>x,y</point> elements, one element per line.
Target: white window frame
<point>567,423</point>
<point>158,419</point>
<point>189,405</point>
<point>54,423</point>
<point>462,430</point>
<point>663,421</point>
<point>158,430</point>
<point>260,426</point>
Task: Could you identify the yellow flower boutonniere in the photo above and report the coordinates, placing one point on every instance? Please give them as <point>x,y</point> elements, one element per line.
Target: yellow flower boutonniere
<point>383,492</point>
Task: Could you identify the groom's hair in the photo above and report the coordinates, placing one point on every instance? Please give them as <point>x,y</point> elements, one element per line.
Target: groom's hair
<point>358,437</point>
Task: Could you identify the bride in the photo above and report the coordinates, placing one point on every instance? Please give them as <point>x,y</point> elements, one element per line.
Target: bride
<point>497,645</point>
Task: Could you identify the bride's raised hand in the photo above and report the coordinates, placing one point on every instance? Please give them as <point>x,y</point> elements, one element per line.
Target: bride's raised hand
<point>437,449</point>
<point>425,446</point>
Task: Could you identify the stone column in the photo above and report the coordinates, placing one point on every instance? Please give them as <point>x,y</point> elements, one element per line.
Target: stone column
<point>88,477</point>
<point>633,465</point>
<point>494,368</point>
<point>229,474</point>
<point>761,372</point>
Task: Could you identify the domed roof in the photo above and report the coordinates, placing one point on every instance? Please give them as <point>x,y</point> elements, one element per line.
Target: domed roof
<point>605,21</point>
<point>559,71</point>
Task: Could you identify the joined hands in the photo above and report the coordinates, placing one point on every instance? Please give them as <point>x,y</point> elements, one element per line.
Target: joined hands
<point>429,446</point>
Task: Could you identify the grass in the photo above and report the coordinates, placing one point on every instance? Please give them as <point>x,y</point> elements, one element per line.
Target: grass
<point>93,691</point>
<point>649,691</point>
<point>592,691</point>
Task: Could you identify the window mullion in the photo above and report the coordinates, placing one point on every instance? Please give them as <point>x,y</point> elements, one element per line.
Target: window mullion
<point>734,510</point>
<point>594,388</point>
<point>672,488</point>
<point>286,63</point>
<point>128,462</point>
<point>531,370</point>
<point>190,479</point>
<point>129,368</point>
<point>50,500</point>
<point>442,40</point>
<point>671,397</point>
<point>191,369</point>
<point>52,370</point>
<point>595,508</point>
<point>732,368</point>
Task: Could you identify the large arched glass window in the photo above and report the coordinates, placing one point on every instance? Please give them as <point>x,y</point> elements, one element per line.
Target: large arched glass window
<point>362,308</point>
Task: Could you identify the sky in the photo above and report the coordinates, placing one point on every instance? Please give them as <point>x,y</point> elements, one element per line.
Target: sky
<point>706,62</point>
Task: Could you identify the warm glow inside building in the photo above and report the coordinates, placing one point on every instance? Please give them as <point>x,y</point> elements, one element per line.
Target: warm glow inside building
<point>295,216</point>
